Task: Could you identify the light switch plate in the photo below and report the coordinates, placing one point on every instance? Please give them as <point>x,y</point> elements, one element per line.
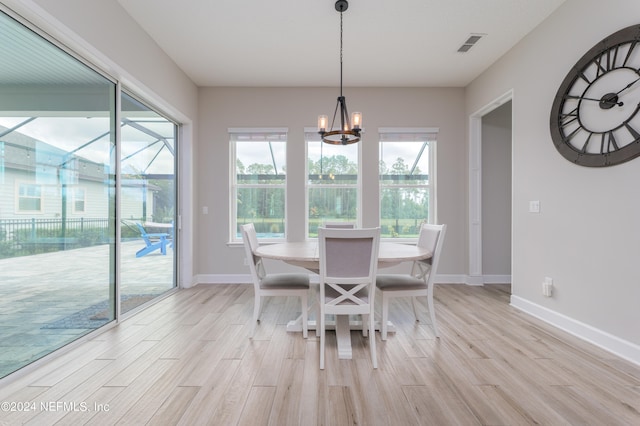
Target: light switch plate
<point>534,206</point>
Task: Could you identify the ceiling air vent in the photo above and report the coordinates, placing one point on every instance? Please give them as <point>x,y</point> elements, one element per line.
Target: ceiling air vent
<point>473,39</point>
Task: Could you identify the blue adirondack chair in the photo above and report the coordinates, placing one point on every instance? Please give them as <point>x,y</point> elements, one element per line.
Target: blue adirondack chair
<point>153,241</point>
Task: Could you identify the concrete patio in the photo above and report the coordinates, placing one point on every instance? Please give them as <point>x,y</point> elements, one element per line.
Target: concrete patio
<point>48,300</point>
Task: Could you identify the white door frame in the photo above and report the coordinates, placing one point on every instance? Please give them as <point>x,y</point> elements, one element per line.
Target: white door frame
<point>475,276</point>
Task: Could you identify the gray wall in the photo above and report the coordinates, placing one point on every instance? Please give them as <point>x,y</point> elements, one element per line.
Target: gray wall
<point>297,108</point>
<point>586,235</point>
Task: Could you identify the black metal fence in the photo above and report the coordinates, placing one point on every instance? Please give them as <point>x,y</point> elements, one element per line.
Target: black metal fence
<point>20,237</point>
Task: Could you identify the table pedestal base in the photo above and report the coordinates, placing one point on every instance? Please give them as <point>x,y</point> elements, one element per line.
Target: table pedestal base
<point>343,326</point>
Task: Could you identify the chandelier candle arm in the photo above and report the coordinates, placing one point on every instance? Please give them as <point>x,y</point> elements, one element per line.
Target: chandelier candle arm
<point>350,127</point>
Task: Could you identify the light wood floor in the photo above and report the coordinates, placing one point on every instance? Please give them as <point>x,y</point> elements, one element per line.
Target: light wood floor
<point>188,360</point>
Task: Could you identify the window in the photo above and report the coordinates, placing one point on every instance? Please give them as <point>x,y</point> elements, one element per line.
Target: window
<point>258,167</point>
<point>407,184</point>
<point>78,199</point>
<point>29,198</point>
<point>332,184</point>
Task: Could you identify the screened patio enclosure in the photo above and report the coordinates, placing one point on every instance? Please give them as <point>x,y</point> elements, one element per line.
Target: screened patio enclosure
<point>87,198</point>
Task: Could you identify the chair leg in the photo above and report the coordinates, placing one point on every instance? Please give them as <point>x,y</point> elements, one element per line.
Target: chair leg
<point>257,306</point>
<point>365,324</point>
<point>372,341</point>
<point>385,316</point>
<point>322,337</point>
<point>318,314</point>
<point>305,312</point>
<point>432,311</point>
<point>415,309</point>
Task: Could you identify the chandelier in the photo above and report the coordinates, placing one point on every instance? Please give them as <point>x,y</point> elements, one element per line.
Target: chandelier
<point>349,130</point>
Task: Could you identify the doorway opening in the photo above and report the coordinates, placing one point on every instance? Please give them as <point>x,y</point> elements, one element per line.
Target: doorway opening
<point>490,189</point>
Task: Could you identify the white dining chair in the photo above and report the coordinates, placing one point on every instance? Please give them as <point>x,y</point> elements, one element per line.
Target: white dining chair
<point>348,265</point>
<point>264,285</point>
<point>419,282</point>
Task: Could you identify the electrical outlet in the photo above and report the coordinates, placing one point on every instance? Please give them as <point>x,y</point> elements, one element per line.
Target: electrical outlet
<point>246,262</point>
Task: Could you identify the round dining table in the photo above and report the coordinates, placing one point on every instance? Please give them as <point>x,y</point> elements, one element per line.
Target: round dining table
<point>306,255</point>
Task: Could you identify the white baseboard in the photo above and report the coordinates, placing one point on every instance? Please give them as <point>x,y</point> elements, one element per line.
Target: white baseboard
<point>496,279</point>
<point>602,339</point>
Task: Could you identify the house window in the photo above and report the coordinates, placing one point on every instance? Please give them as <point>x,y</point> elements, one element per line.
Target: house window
<point>332,183</point>
<point>78,200</point>
<point>407,180</point>
<point>258,180</point>
<point>29,198</point>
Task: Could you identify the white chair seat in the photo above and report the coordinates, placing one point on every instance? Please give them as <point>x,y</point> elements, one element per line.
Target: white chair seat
<point>285,281</point>
<point>399,282</point>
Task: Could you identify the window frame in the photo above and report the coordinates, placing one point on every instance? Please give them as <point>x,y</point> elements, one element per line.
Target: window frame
<point>234,185</point>
<point>40,187</point>
<point>75,199</point>
<point>408,135</point>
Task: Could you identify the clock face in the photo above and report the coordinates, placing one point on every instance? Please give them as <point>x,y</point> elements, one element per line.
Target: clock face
<point>595,118</point>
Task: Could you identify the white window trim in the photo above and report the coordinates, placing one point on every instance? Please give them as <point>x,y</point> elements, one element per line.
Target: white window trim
<point>433,173</point>
<point>233,180</point>
<point>357,185</point>
<point>74,199</point>
<point>18,197</point>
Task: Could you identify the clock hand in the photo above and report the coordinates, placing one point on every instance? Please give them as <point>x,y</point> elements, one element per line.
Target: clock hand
<point>583,98</point>
<point>610,99</point>
<point>627,86</point>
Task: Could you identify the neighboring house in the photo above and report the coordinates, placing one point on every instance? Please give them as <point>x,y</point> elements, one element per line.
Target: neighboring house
<point>37,178</point>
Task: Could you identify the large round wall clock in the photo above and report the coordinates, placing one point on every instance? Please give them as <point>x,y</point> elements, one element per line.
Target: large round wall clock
<point>595,120</point>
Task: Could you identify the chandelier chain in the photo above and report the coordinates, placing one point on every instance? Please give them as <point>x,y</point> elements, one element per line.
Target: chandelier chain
<point>340,53</point>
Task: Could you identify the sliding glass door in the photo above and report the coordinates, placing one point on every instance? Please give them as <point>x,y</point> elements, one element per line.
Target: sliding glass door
<point>147,204</point>
<point>76,172</point>
<point>57,197</point>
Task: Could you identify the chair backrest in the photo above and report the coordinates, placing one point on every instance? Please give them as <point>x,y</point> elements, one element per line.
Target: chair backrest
<point>348,266</point>
<point>143,234</point>
<point>432,237</point>
<point>341,225</point>
<point>250,239</point>
<point>143,231</point>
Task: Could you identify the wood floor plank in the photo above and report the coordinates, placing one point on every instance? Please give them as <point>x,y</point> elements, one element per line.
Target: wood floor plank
<point>99,401</point>
<point>174,407</point>
<point>235,396</point>
<point>188,360</point>
<point>210,395</point>
<point>258,406</point>
<point>270,368</point>
<point>313,395</point>
<point>433,406</point>
<point>340,408</point>
<point>286,405</point>
<point>128,398</point>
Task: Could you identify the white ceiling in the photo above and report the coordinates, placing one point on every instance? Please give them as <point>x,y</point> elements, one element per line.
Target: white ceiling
<point>392,43</point>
